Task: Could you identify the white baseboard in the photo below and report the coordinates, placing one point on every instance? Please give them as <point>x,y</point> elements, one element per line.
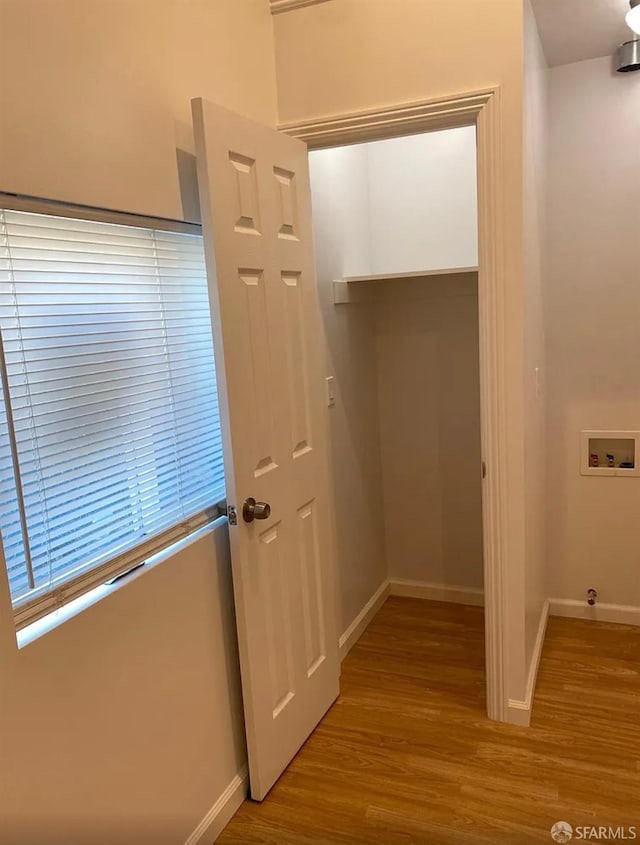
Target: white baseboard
<point>222,811</point>
<point>436,592</point>
<point>362,620</point>
<point>519,712</point>
<point>620,614</point>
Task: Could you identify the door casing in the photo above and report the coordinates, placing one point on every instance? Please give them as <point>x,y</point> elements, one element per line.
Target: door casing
<point>481,109</point>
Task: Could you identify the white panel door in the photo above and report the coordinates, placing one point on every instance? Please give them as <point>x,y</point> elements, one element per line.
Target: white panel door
<point>256,212</point>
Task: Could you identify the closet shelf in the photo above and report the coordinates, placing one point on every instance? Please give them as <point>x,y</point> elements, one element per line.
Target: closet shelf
<point>415,274</point>
<point>343,290</point>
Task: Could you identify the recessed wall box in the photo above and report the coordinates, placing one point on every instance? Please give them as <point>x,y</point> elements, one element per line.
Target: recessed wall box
<point>610,453</point>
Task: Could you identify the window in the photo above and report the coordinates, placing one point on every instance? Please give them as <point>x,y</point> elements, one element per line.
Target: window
<point>110,445</point>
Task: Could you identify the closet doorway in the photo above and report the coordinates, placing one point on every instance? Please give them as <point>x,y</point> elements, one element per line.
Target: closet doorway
<point>481,569</point>
<point>255,193</point>
<point>395,232</point>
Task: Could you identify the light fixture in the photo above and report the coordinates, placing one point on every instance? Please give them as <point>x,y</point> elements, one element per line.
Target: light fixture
<point>633,16</point>
<point>628,58</point>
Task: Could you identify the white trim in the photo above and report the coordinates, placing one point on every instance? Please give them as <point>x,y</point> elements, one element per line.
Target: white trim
<point>620,614</point>
<point>222,811</point>
<point>537,652</point>
<point>619,472</point>
<point>414,274</point>
<point>391,121</point>
<point>520,711</point>
<point>52,598</point>
<point>359,625</point>
<point>495,399</point>
<point>482,108</point>
<point>278,6</point>
<point>436,592</point>
<point>348,291</point>
<point>42,626</point>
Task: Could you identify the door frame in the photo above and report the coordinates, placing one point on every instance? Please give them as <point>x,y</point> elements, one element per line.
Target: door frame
<point>481,109</point>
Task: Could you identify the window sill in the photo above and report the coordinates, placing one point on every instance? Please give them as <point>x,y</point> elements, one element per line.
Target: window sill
<point>31,633</point>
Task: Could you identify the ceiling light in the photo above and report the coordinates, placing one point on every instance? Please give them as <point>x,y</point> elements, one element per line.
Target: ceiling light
<point>633,16</point>
<point>628,57</point>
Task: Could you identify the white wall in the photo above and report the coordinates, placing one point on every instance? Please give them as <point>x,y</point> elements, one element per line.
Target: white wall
<point>341,234</point>
<point>422,201</point>
<point>535,255</point>
<point>125,722</point>
<point>405,204</point>
<point>341,210</point>
<point>593,325</point>
<point>429,410</point>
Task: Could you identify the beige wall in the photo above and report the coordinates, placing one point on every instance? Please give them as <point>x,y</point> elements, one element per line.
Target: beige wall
<point>341,234</point>
<point>429,411</point>
<point>124,723</point>
<point>95,95</point>
<point>349,55</point>
<point>535,255</point>
<point>126,720</point>
<point>593,327</point>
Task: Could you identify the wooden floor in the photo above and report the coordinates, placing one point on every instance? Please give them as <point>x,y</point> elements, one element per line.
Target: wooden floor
<point>406,755</point>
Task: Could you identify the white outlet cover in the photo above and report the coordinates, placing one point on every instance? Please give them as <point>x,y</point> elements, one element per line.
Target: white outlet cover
<point>331,396</point>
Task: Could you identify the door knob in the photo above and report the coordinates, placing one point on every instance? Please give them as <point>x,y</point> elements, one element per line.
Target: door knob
<point>255,510</point>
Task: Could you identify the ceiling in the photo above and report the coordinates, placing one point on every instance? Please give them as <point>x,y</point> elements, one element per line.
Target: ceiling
<point>575,30</point>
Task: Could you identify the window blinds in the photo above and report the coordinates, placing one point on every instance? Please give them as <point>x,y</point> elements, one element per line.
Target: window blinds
<point>113,415</point>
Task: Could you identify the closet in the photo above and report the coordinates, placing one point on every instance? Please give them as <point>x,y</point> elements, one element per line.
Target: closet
<point>395,228</point>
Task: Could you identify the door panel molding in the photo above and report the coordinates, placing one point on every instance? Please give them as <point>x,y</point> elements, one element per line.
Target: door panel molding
<point>482,109</point>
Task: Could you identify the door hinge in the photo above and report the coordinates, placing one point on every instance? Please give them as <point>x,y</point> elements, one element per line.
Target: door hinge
<point>232,515</point>
<point>484,470</point>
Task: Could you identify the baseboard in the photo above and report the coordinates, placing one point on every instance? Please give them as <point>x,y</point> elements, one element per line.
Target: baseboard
<point>362,620</point>
<point>222,811</point>
<point>519,712</point>
<point>620,614</point>
<point>436,592</point>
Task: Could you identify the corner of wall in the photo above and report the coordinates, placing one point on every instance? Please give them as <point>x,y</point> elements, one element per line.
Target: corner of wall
<point>359,625</point>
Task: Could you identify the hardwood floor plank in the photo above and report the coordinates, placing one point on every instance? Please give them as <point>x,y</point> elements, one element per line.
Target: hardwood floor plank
<point>407,755</point>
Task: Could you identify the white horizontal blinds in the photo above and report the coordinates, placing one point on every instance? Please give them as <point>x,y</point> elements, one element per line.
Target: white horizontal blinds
<point>109,357</point>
